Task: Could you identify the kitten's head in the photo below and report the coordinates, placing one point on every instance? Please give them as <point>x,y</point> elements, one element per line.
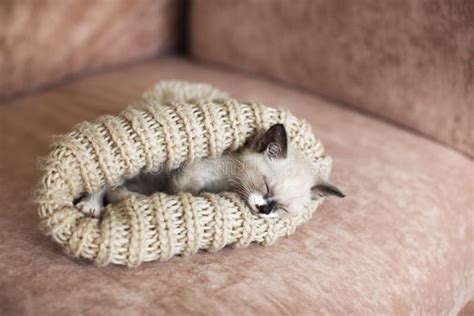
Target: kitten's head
<point>276,179</point>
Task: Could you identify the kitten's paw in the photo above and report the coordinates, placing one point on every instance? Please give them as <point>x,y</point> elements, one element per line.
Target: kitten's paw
<point>90,208</point>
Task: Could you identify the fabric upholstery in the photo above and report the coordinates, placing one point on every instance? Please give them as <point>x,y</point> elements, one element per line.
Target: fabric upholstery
<point>400,242</point>
<point>468,309</point>
<point>45,41</point>
<point>411,62</point>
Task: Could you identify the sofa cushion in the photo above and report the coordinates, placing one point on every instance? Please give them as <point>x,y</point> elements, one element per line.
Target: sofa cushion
<point>408,61</point>
<point>45,41</point>
<point>400,242</point>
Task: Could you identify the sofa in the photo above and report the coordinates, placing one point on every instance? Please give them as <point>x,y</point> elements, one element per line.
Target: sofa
<point>388,86</point>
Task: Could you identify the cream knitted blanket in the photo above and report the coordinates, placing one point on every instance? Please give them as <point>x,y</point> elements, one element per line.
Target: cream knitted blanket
<point>172,123</point>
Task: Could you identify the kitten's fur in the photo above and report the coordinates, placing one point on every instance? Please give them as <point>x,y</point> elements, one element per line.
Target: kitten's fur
<point>269,174</point>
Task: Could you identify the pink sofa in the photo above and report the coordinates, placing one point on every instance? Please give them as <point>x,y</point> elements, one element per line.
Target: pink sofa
<point>388,86</point>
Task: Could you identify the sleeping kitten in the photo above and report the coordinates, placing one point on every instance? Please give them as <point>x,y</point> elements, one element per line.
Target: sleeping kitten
<point>271,176</point>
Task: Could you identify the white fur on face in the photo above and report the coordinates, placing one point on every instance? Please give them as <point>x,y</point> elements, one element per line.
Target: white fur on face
<point>289,180</point>
<point>255,200</point>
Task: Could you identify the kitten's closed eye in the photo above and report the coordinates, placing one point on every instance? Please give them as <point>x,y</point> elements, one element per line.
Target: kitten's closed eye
<point>266,190</point>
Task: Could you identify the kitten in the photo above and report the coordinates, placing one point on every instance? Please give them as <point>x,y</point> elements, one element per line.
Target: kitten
<point>269,174</point>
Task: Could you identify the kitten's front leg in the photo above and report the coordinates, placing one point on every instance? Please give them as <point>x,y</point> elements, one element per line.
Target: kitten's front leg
<point>188,182</point>
<point>119,194</point>
<point>93,203</point>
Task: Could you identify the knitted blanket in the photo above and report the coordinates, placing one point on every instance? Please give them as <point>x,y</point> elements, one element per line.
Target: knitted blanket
<point>173,123</point>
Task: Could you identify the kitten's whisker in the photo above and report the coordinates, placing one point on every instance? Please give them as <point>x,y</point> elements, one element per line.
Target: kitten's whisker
<point>240,187</point>
<point>280,207</point>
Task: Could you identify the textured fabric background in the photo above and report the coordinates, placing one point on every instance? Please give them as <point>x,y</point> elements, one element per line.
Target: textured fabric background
<point>467,310</point>
<point>409,61</point>
<point>44,41</point>
<point>399,243</point>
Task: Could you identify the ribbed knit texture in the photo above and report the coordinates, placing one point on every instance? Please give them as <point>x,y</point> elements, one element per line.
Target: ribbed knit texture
<point>173,123</point>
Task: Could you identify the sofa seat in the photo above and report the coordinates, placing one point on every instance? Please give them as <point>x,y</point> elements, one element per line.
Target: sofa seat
<point>400,242</point>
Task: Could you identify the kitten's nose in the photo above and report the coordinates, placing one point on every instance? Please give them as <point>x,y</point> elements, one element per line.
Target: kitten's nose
<point>266,208</point>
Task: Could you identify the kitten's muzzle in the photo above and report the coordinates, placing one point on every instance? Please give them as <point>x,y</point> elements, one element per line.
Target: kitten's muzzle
<point>267,208</point>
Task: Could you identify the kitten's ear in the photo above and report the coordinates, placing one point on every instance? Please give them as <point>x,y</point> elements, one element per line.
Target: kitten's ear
<point>325,189</point>
<point>274,142</point>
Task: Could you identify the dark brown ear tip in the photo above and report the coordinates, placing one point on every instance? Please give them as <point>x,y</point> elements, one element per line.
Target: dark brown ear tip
<point>278,126</point>
<point>335,191</point>
<point>275,135</point>
<point>327,189</point>
<point>279,129</point>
